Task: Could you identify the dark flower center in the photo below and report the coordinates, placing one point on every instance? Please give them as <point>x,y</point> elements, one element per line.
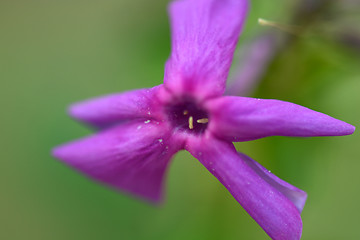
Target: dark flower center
<point>188,116</point>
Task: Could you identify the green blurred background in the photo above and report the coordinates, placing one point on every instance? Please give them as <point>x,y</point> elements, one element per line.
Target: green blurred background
<point>53,53</point>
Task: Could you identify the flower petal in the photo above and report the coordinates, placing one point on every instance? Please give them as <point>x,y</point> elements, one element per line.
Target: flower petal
<point>109,110</point>
<point>244,119</point>
<point>296,196</point>
<point>204,37</point>
<point>260,194</point>
<point>131,157</point>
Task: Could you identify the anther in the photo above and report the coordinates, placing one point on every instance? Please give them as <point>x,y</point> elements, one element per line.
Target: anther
<point>191,122</point>
<point>185,112</point>
<point>203,120</point>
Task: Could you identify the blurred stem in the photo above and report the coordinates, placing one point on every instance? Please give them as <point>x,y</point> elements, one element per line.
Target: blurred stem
<point>308,13</point>
<point>268,46</point>
<point>308,16</point>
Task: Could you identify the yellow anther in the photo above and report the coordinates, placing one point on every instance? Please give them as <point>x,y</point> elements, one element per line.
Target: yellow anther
<point>203,120</point>
<point>191,122</point>
<point>186,112</point>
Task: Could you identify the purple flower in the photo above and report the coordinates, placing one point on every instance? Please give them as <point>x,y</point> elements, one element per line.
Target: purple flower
<point>142,129</point>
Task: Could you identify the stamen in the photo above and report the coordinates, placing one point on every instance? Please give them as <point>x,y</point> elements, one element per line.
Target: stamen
<point>203,120</point>
<point>191,122</point>
<point>185,112</point>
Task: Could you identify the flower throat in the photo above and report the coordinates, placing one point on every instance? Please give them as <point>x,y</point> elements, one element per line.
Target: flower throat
<point>188,116</point>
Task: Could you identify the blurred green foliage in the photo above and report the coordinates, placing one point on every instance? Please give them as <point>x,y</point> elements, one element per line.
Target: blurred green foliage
<point>53,53</point>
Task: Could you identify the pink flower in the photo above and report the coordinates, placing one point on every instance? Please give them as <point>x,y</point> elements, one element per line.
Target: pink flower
<point>141,130</point>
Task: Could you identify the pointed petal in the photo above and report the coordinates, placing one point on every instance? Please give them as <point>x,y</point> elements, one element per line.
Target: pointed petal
<point>257,192</point>
<point>109,110</point>
<point>244,119</point>
<point>296,196</point>
<point>204,37</point>
<point>132,157</point>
